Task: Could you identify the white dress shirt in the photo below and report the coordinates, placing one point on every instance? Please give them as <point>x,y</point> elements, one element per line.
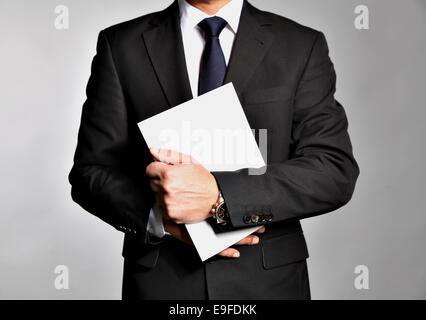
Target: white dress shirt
<point>193,44</point>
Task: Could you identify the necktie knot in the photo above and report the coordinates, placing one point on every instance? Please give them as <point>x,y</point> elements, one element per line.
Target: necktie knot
<point>213,26</point>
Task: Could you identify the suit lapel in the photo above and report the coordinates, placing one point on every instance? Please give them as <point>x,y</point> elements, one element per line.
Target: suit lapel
<point>165,50</point>
<point>253,40</point>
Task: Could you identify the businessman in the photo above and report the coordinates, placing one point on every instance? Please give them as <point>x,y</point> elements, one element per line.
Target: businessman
<point>286,83</point>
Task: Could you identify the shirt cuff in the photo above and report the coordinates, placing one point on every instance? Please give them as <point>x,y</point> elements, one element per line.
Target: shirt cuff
<point>155,225</point>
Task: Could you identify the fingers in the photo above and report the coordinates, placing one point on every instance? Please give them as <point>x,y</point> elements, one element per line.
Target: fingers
<point>156,186</point>
<point>171,157</point>
<point>261,230</point>
<point>166,156</point>
<point>156,170</point>
<point>230,253</point>
<point>249,240</point>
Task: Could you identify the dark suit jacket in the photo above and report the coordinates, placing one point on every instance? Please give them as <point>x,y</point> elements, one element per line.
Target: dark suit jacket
<point>286,83</point>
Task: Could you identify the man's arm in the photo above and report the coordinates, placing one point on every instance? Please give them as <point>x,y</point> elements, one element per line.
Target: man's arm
<point>321,174</point>
<point>102,180</point>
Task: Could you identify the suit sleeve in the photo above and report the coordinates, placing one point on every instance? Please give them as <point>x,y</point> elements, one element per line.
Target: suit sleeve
<point>321,173</point>
<point>101,178</point>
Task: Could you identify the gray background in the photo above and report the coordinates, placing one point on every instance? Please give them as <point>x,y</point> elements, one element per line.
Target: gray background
<point>381,82</point>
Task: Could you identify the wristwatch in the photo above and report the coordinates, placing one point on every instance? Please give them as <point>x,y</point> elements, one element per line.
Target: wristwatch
<point>220,212</point>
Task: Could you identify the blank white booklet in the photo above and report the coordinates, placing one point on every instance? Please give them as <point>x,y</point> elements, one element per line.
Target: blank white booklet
<point>214,130</point>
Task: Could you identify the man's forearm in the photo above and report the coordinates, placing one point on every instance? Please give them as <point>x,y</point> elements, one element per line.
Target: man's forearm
<point>319,175</point>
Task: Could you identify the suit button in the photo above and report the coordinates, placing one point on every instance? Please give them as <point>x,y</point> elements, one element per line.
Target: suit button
<point>254,219</point>
<point>246,219</point>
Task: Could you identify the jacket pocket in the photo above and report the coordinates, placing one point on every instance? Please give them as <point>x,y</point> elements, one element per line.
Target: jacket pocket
<point>285,249</point>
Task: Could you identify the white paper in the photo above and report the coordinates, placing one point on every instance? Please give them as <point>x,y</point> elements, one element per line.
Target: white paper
<point>214,130</point>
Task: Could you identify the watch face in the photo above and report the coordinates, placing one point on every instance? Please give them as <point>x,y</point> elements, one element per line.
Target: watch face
<point>222,212</point>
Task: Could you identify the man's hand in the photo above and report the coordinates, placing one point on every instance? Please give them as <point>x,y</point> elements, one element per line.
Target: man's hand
<point>179,232</point>
<point>186,191</point>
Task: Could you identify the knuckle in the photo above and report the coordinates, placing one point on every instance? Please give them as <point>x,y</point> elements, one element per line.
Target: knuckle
<point>165,174</point>
<point>166,189</point>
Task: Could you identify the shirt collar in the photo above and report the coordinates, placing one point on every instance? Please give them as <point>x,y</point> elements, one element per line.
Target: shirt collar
<point>191,16</point>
